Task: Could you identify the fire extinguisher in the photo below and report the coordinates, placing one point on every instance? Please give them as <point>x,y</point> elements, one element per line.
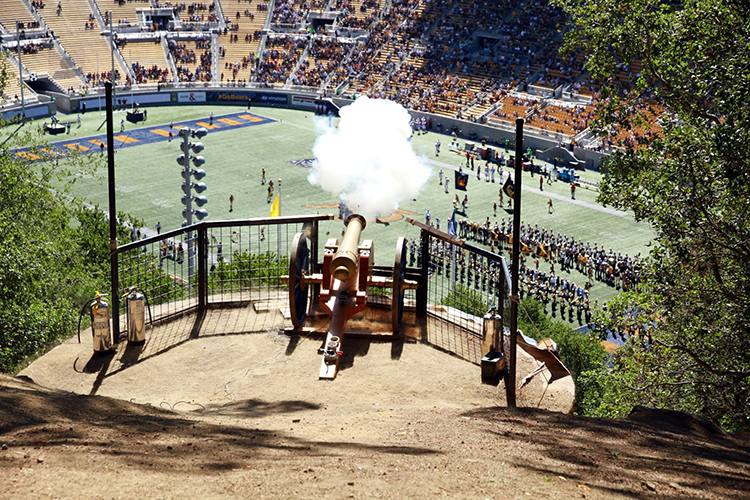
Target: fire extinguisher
<point>98,310</point>
<point>137,301</point>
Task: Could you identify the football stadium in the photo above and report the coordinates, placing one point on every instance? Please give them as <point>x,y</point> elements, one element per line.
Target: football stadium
<point>395,193</point>
<point>191,64</point>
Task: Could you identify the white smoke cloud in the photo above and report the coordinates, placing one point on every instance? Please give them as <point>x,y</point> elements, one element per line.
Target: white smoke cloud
<point>368,160</point>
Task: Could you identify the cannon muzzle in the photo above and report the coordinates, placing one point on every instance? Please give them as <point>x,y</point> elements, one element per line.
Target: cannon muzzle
<point>344,263</point>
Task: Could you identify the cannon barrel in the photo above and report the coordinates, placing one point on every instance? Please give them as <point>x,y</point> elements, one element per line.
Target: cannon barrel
<point>344,263</point>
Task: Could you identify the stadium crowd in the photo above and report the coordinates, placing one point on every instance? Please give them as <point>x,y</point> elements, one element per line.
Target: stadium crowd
<point>324,56</point>
<point>471,60</point>
<point>186,58</point>
<point>154,73</point>
<point>279,58</point>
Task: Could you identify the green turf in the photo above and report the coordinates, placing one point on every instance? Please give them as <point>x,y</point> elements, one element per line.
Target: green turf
<point>148,184</point>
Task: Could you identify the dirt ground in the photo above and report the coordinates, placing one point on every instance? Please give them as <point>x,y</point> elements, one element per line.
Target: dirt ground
<point>207,409</point>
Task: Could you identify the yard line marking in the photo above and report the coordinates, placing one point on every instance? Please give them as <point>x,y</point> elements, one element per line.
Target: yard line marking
<point>125,139</point>
<point>27,155</point>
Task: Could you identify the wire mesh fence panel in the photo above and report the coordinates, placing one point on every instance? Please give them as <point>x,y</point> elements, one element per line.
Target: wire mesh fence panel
<point>247,262</point>
<point>463,284</point>
<point>238,262</point>
<point>242,262</point>
<point>159,267</point>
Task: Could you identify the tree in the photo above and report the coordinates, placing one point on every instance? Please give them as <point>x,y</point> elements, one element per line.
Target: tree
<point>92,239</point>
<point>467,300</point>
<point>581,353</point>
<point>41,274</point>
<point>44,275</point>
<point>687,173</point>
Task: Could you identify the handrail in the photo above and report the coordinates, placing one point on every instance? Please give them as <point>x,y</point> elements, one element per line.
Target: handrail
<point>257,221</point>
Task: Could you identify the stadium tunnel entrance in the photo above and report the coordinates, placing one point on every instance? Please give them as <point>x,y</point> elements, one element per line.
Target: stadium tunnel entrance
<point>42,84</point>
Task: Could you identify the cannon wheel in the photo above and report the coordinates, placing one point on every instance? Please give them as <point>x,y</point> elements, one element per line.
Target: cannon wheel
<point>299,263</point>
<point>399,270</point>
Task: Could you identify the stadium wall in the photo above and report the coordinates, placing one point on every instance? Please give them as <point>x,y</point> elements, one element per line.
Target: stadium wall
<point>36,110</point>
<point>544,146</point>
<point>305,101</point>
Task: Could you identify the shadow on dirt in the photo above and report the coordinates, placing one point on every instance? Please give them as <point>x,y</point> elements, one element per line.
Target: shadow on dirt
<point>649,445</point>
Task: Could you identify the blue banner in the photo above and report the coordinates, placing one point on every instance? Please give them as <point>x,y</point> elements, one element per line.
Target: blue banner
<point>245,96</point>
<point>452,223</point>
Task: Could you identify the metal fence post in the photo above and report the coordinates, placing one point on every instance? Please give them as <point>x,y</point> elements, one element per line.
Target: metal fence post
<point>423,276</point>
<point>202,266</point>
<point>314,245</point>
<point>510,385</point>
<point>113,262</point>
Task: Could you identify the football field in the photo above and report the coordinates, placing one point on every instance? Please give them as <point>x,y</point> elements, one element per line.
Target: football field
<point>241,143</point>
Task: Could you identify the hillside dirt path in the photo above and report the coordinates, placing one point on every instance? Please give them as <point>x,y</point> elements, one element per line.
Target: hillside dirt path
<point>244,415</point>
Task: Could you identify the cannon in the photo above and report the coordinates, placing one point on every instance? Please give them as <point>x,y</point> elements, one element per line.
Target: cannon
<point>346,275</point>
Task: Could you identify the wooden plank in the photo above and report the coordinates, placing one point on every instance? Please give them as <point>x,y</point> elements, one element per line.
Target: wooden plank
<point>305,330</point>
<point>328,371</point>
<point>357,334</point>
<point>369,334</point>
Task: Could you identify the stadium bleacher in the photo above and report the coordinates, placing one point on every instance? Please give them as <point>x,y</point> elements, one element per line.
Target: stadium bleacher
<point>48,61</point>
<point>123,13</point>
<point>17,11</point>
<point>240,44</point>
<point>150,63</point>
<point>648,113</point>
<point>87,47</point>
<point>192,58</point>
<point>468,60</point>
<point>280,57</point>
<point>11,94</point>
<point>323,57</point>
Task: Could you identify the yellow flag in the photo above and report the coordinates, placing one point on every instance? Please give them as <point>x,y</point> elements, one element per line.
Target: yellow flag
<point>275,208</point>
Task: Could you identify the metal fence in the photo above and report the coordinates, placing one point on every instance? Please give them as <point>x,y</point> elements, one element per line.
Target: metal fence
<point>459,284</point>
<point>231,263</point>
<point>241,263</point>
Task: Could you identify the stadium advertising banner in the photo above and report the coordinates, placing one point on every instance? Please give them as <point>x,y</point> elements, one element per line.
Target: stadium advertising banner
<point>189,97</point>
<point>303,101</point>
<point>254,97</point>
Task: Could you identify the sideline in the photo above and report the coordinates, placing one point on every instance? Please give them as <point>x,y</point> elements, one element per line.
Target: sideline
<point>160,133</point>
